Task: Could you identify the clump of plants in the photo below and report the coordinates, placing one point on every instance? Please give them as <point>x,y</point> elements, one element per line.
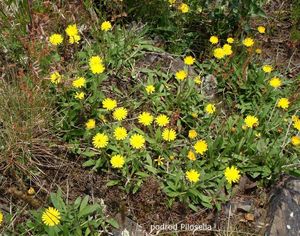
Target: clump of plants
<point>61,218</point>
<point>164,124</point>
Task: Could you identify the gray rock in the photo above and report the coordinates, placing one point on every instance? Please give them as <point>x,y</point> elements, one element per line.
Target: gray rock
<point>283,216</point>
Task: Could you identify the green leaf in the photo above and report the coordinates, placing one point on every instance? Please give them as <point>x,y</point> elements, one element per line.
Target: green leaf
<point>112,183</point>
<point>113,223</point>
<point>88,210</point>
<point>89,163</point>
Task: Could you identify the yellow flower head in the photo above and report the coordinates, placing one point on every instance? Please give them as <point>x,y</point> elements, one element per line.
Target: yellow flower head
<point>267,68</point>
<point>230,40</point>
<point>1,217</point>
<point>248,42</point>
<point>120,133</point>
<point>297,124</point>
<point>105,26</point>
<point>189,60</point>
<point>283,103</point>
<point>55,78</point>
<point>51,216</point>
<point>137,141</point>
<point>159,161</point>
<point>117,161</point>
<point>90,124</point>
<point>258,51</point>
<point>162,120</point>
<point>275,82</point>
<point>200,147</point>
<point>72,30</point>
<point>169,134</point>
<point>191,155</point>
<point>181,75</point>
<point>184,8</point>
<point>100,140</point>
<point>56,39</point>
<point>210,108</point>
<point>192,176</point>
<point>213,40</point>
<point>78,83</point>
<point>295,140</point>
<point>295,118</point>
<point>227,49</point>
<point>74,39</point>
<point>232,174</point>
<point>109,104</point>
<point>31,191</point>
<point>150,89</point>
<point>219,53</point>
<point>251,121</point>
<point>145,118</point>
<point>261,29</point>
<point>120,113</point>
<point>192,134</point>
<point>79,95</point>
<point>96,65</point>
<point>197,80</point>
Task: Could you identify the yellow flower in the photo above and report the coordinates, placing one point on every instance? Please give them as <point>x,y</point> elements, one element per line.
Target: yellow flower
<point>120,133</point>
<point>297,124</point>
<point>100,140</point>
<point>194,114</point>
<point>210,108</point>
<point>159,161</point>
<point>184,8</point>
<point>105,26</point>
<point>162,120</point>
<point>1,217</point>
<point>191,155</point>
<point>230,40</point>
<point>137,141</point>
<point>78,83</point>
<point>189,60</point>
<point>192,175</point>
<point>145,118</point>
<point>181,75</point>
<point>213,39</point>
<point>74,39</point>
<point>219,53</point>
<point>169,134</point>
<point>200,147</point>
<point>267,68</point>
<point>56,39</point>
<point>150,89</point>
<point>261,29</point>
<point>90,124</point>
<point>55,78</point>
<point>171,2</point>
<point>117,161</point>
<point>258,51</point>
<point>79,95</point>
<point>72,30</point>
<point>251,121</point>
<point>295,118</point>
<point>109,104</point>
<point>275,82</point>
<point>248,42</point>
<point>283,103</point>
<point>96,65</point>
<point>31,191</point>
<point>232,174</point>
<point>192,134</point>
<point>171,157</point>
<point>227,49</point>
<point>51,216</point>
<point>197,80</point>
<point>120,113</point>
<point>295,140</point>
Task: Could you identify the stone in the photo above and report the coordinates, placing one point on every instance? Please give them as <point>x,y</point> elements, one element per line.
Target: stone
<point>283,216</point>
